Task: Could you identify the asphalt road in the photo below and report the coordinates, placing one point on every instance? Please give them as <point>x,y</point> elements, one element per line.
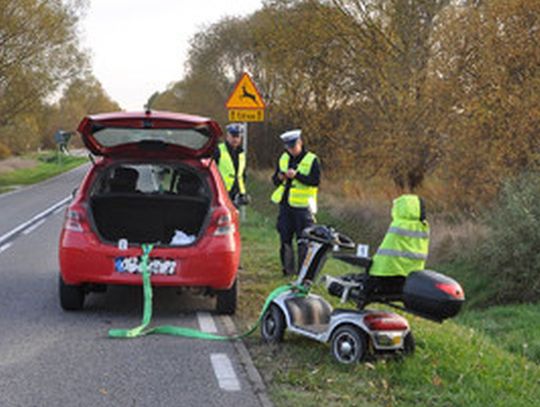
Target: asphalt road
<point>49,357</point>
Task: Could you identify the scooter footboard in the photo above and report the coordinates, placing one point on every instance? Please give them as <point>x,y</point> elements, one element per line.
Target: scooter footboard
<point>433,295</point>
<point>309,310</point>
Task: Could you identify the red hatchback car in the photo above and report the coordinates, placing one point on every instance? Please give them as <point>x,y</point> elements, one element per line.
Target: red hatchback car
<point>155,183</point>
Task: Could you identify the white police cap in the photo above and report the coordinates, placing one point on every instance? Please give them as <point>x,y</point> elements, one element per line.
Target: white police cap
<point>233,128</point>
<point>290,137</point>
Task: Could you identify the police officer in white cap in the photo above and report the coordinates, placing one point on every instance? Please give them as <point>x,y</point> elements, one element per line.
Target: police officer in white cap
<point>231,161</point>
<point>297,177</point>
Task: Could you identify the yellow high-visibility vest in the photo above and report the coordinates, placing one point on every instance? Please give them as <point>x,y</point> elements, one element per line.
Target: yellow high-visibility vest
<point>404,249</point>
<point>226,169</point>
<point>300,195</point>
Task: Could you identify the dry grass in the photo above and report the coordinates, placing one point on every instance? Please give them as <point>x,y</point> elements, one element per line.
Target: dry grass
<point>449,239</point>
<point>366,205</point>
<point>441,197</point>
<point>16,163</point>
<point>363,210</point>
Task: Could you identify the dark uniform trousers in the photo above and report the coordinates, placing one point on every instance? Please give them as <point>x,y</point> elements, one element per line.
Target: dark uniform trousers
<point>292,221</point>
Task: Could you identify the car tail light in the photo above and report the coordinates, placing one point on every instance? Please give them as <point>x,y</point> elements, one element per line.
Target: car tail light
<point>385,321</point>
<point>453,290</point>
<point>224,224</point>
<point>76,220</point>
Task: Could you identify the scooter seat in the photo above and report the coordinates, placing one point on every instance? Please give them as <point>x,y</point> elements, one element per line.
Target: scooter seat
<point>349,258</point>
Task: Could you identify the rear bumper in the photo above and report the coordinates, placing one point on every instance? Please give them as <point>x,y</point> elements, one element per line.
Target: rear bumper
<point>211,263</point>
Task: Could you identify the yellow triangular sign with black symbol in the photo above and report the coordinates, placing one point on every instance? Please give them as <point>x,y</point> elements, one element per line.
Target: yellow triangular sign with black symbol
<point>245,95</point>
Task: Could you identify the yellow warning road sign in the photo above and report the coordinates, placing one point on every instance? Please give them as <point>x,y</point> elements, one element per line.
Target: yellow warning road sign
<point>246,115</point>
<point>245,95</point>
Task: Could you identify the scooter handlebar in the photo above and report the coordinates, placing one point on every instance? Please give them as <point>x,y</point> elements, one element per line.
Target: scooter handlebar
<point>344,241</point>
<point>328,235</point>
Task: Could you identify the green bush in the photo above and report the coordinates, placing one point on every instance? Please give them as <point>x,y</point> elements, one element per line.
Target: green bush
<point>509,257</point>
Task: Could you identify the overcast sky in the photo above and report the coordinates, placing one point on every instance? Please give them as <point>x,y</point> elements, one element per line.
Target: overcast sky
<point>140,46</point>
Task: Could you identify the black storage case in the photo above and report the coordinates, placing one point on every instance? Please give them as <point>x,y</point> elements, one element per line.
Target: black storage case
<point>423,297</point>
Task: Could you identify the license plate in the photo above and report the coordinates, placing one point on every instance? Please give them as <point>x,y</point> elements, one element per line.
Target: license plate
<point>133,265</point>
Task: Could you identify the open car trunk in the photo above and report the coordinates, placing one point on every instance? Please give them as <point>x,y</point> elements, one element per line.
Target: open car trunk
<point>160,204</point>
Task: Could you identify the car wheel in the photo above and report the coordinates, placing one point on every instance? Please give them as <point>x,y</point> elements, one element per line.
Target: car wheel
<point>226,300</point>
<point>349,344</point>
<point>409,344</point>
<point>273,324</point>
<point>71,296</point>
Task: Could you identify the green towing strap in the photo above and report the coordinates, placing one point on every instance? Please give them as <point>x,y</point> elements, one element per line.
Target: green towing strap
<point>183,331</point>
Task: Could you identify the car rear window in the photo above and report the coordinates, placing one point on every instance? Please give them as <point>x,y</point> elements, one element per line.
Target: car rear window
<point>115,136</point>
<point>151,179</point>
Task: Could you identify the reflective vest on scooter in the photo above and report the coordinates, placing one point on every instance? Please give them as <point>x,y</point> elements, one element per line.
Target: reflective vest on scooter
<point>300,195</point>
<point>404,249</point>
<point>227,171</point>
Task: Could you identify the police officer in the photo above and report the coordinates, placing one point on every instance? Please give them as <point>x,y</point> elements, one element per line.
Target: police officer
<point>296,178</point>
<point>231,161</point>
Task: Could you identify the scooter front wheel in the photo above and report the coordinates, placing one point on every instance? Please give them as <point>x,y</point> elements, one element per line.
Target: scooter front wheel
<point>349,344</point>
<point>273,324</point>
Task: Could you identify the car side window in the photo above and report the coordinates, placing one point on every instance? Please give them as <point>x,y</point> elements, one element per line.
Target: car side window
<point>124,180</point>
<point>188,184</point>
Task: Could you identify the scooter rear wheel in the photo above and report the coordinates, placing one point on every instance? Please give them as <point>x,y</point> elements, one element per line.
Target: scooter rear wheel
<point>273,324</point>
<point>409,344</point>
<point>349,344</point>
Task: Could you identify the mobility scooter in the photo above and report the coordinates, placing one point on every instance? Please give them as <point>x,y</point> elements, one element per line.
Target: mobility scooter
<point>354,334</point>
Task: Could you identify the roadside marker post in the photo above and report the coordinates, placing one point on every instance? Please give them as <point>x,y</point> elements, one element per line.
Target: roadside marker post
<point>245,147</point>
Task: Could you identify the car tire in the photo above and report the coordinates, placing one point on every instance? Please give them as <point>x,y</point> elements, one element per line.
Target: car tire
<point>71,296</point>
<point>226,300</point>
<point>349,344</point>
<point>409,344</point>
<point>273,324</point>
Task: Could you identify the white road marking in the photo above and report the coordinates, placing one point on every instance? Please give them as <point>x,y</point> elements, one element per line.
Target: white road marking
<point>34,227</point>
<point>5,247</point>
<point>245,360</point>
<point>36,218</point>
<point>206,322</point>
<point>224,372</point>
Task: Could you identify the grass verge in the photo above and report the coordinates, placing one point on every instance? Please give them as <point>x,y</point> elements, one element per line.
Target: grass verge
<point>48,165</point>
<point>513,327</point>
<point>458,363</point>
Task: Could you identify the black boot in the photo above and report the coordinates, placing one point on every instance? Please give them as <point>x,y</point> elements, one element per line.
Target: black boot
<point>287,259</point>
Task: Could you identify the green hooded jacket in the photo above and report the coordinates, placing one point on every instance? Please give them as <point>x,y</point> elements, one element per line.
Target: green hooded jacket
<point>404,249</point>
